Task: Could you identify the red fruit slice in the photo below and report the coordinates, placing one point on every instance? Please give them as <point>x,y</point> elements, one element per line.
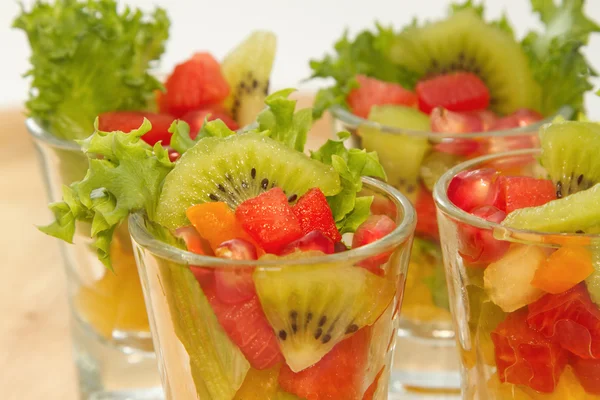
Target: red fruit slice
<point>314,213</point>
<point>447,121</point>
<point>569,318</point>
<point>471,189</point>
<point>426,215</point>
<point>235,284</point>
<point>515,192</point>
<point>477,246</point>
<point>487,117</point>
<point>126,121</point>
<point>370,392</point>
<point>588,374</point>
<point>246,325</point>
<point>314,240</point>
<point>339,375</point>
<point>459,91</point>
<point>193,85</point>
<point>374,228</point>
<point>524,356</point>
<point>269,219</point>
<point>373,92</point>
<point>196,244</point>
<point>195,119</point>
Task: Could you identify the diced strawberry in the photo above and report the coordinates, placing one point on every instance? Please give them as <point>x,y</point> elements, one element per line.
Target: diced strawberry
<point>269,219</point>
<point>515,192</point>
<point>477,246</point>
<point>524,356</point>
<point>314,240</point>
<point>476,188</point>
<point>458,91</point>
<point>570,319</point>
<point>127,121</point>
<point>195,119</point>
<point>314,213</point>
<point>339,375</point>
<point>373,92</point>
<point>193,85</point>
<point>374,228</point>
<point>587,372</point>
<point>426,215</point>
<point>235,285</point>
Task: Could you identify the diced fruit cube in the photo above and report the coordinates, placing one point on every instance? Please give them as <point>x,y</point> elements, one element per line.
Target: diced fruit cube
<point>314,240</point>
<point>459,91</point>
<point>216,223</point>
<point>446,121</point>
<point>477,246</point>
<point>235,285</point>
<point>516,192</point>
<point>269,219</point>
<point>525,357</point>
<point>426,215</point>
<point>374,228</point>
<point>196,118</point>
<point>569,318</point>
<point>338,375</point>
<point>314,213</point>
<point>587,372</point>
<point>565,268</point>
<point>508,280</point>
<point>471,189</point>
<point>194,84</point>
<point>127,121</point>
<point>373,92</point>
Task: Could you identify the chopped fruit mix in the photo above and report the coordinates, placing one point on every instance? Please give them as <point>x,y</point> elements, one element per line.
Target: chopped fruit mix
<point>459,81</point>
<point>544,292</point>
<point>287,329</point>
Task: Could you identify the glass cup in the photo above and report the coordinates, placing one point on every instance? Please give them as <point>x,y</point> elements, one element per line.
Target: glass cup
<point>203,343</point>
<point>112,344</point>
<point>413,161</point>
<point>505,327</point>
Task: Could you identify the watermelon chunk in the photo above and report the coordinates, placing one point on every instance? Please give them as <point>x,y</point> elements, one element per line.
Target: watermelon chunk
<point>126,121</point>
<point>588,374</point>
<point>426,215</point>
<point>314,214</point>
<point>459,91</point>
<point>515,192</point>
<point>269,219</point>
<point>373,92</point>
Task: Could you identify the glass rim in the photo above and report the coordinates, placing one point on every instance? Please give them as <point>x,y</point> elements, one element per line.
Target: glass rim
<point>444,205</point>
<point>403,231</point>
<point>355,121</point>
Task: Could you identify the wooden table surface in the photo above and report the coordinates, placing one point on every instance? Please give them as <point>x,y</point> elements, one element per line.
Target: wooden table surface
<point>35,350</point>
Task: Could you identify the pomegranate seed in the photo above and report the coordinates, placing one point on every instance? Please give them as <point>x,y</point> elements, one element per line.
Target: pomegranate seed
<point>314,240</point>
<point>234,284</point>
<point>374,228</point>
<point>471,189</point>
<point>477,246</point>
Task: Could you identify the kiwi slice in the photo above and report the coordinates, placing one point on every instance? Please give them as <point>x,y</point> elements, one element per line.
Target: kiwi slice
<point>400,155</point>
<point>576,213</point>
<point>465,42</point>
<point>435,165</point>
<point>570,155</point>
<point>237,168</point>
<point>313,307</point>
<point>247,70</point>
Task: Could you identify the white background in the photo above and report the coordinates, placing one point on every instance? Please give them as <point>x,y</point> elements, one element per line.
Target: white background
<point>306,29</point>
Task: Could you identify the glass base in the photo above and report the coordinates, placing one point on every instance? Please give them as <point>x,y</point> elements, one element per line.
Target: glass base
<point>425,362</point>
<point>122,369</point>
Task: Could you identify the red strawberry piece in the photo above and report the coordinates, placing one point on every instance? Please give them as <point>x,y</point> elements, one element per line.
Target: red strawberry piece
<point>459,91</point>
<point>339,375</point>
<point>515,192</point>
<point>570,319</point>
<point>193,85</point>
<point>426,215</point>
<point>476,188</point>
<point>127,121</point>
<point>587,372</point>
<point>373,92</point>
<point>524,356</point>
<point>314,213</point>
<point>373,229</point>
<point>477,246</point>
<point>269,219</point>
<point>314,240</point>
<point>195,119</point>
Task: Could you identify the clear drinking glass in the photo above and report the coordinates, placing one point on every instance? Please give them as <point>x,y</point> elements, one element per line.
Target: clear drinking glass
<point>195,342</point>
<point>414,160</point>
<point>113,347</point>
<point>502,322</point>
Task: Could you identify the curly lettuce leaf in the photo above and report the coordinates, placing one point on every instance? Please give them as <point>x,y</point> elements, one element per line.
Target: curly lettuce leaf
<point>88,58</point>
<point>555,55</point>
<point>125,175</point>
<point>181,141</point>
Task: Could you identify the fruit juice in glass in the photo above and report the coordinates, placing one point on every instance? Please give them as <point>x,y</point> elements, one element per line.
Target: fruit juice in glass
<point>314,326</point>
<point>527,307</point>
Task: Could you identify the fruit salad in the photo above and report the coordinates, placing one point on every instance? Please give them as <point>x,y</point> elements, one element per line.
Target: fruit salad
<point>523,263</point>
<point>431,95</point>
<point>80,70</point>
<point>266,274</point>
